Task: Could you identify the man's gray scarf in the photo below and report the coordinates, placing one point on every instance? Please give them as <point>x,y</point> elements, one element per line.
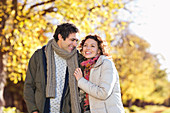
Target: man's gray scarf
<point>72,64</point>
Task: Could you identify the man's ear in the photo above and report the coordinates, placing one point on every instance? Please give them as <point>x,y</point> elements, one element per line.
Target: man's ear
<point>59,37</point>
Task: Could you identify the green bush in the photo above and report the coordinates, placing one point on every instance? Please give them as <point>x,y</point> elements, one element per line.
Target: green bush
<point>127,110</point>
<point>134,108</point>
<point>10,110</point>
<point>166,111</point>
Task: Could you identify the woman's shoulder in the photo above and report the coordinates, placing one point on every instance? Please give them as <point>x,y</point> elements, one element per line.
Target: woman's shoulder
<point>108,62</point>
<point>105,60</point>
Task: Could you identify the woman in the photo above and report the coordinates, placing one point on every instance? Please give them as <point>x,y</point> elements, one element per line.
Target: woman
<point>100,85</point>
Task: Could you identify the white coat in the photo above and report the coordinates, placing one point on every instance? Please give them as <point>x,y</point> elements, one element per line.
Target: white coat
<point>103,87</point>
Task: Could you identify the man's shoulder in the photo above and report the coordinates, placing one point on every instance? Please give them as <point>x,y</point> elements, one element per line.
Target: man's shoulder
<point>38,52</point>
<point>37,56</point>
<point>80,57</point>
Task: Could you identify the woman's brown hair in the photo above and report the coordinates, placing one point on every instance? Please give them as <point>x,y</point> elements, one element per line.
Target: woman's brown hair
<point>99,41</point>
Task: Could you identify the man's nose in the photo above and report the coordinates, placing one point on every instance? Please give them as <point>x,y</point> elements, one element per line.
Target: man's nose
<point>75,43</point>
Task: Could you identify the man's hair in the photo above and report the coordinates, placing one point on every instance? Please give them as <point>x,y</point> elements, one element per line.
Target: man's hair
<point>64,30</point>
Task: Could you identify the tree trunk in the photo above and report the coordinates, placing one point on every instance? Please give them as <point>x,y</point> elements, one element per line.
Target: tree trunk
<point>2,53</point>
<point>2,82</point>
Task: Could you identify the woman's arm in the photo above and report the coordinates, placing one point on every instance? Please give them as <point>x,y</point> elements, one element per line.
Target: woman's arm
<point>107,80</point>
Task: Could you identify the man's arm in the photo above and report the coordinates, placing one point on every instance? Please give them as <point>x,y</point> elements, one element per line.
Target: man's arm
<point>29,85</point>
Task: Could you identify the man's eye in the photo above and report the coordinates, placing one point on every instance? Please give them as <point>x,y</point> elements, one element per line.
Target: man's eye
<point>74,40</point>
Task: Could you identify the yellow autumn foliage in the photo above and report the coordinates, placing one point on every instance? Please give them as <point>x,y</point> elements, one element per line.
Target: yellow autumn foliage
<point>28,25</point>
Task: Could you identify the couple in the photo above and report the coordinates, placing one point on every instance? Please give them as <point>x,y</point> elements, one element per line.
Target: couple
<point>53,76</point>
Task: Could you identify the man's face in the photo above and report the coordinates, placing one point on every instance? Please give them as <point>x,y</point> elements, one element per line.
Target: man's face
<point>69,43</point>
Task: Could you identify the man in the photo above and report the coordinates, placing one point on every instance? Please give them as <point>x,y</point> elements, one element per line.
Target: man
<point>50,85</point>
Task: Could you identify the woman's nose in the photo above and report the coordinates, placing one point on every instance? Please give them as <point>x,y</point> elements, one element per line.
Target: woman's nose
<point>88,47</point>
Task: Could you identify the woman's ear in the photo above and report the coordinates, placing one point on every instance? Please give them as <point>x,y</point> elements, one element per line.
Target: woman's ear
<point>99,51</point>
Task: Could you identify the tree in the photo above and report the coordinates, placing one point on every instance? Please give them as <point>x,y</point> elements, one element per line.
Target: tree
<point>140,74</point>
<point>26,24</point>
<point>21,32</point>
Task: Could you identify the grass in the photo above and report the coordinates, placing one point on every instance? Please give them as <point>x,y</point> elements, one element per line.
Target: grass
<point>148,109</point>
<point>133,109</point>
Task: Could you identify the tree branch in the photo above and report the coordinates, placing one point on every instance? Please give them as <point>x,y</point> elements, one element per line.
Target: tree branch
<point>25,2</point>
<point>42,3</point>
<point>51,9</point>
<point>39,4</point>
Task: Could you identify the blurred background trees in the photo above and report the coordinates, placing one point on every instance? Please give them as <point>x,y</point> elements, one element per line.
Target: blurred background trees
<point>27,25</point>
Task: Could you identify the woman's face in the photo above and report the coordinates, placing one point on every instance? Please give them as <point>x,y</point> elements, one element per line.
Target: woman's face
<point>90,49</point>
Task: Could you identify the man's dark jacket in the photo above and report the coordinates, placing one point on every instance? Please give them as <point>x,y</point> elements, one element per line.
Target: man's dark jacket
<point>35,86</point>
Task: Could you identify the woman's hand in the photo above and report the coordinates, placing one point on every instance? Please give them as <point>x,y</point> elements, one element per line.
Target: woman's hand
<point>35,112</point>
<point>78,73</point>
